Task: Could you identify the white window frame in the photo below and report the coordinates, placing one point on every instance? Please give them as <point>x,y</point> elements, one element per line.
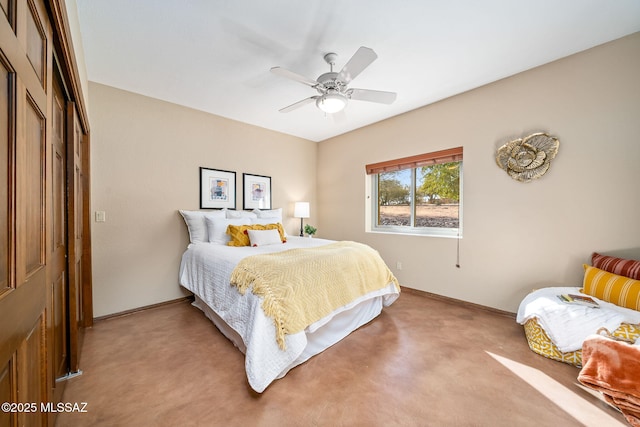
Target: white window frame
<point>371,224</point>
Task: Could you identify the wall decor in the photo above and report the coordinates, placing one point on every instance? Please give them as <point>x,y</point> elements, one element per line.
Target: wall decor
<point>257,191</point>
<point>217,189</point>
<point>526,159</point>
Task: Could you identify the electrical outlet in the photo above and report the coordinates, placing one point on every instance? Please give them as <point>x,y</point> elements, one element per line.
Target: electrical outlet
<point>398,265</point>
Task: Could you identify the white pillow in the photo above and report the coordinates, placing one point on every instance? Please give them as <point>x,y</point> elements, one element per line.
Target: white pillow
<point>196,225</point>
<point>264,237</point>
<point>269,213</point>
<point>217,228</point>
<point>273,216</point>
<point>232,214</point>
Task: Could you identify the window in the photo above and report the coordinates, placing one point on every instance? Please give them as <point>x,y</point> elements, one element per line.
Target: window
<point>418,195</point>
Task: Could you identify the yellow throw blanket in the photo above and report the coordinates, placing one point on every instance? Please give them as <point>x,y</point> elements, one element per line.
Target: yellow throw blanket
<point>301,286</point>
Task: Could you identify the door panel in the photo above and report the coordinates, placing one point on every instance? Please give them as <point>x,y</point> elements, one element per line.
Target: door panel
<point>30,197</point>
<point>8,8</point>
<point>31,384</point>
<point>6,391</point>
<point>6,152</point>
<point>76,227</point>
<point>58,297</point>
<point>25,62</point>
<point>58,136</point>
<point>36,42</point>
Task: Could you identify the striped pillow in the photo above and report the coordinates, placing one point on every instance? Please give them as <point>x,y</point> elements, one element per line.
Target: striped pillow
<point>618,290</point>
<point>623,267</point>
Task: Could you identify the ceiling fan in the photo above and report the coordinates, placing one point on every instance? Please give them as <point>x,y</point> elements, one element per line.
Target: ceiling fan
<point>332,87</point>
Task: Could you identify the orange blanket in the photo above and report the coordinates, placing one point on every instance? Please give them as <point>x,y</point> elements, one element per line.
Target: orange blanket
<point>613,368</point>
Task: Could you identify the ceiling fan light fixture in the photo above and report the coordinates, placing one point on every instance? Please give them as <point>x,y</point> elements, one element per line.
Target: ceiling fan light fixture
<point>331,102</point>
<point>332,87</point>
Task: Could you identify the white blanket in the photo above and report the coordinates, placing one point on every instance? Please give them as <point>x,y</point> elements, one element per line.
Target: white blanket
<point>567,325</point>
<point>206,269</point>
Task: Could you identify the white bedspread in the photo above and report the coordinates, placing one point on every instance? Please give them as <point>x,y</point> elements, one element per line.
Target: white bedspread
<point>568,325</point>
<point>206,269</point>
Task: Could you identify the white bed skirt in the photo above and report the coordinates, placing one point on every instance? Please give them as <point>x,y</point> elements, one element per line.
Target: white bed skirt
<point>319,338</point>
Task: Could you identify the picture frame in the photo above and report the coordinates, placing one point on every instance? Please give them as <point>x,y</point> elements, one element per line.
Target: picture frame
<point>257,191</point>
<point>217,189</point>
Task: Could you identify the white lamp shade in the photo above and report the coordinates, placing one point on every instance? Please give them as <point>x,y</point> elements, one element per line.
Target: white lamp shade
<point>301,210</point>
<point>331,102</point>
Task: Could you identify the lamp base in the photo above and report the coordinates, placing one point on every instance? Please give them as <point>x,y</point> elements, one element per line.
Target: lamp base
<point>301,231</point>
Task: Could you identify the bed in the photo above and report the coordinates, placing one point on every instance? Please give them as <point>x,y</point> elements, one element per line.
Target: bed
<point>206,270</point>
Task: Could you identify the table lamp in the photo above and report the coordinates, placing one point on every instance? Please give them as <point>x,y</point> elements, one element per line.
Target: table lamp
<point>301,210</point>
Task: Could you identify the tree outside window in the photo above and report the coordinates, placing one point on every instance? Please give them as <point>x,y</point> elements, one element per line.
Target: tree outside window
<point>420,199</point>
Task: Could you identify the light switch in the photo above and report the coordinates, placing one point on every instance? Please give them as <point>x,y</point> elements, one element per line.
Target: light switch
<point>100,216</point>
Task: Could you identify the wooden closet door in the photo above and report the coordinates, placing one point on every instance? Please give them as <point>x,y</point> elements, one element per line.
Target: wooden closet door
<point>59,277</point>
<point>25,70</point>
<point>76,206</point>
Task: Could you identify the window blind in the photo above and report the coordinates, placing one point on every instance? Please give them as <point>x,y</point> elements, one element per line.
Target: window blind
<point>443,156</point>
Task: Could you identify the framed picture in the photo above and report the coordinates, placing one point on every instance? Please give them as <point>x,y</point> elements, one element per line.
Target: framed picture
<point>257,191</point>
<point>217,189</point>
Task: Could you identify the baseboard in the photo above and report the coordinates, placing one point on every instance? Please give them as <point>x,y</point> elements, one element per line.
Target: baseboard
<point>188,298</point>
<point>418,292</point>
<point>459,302</point>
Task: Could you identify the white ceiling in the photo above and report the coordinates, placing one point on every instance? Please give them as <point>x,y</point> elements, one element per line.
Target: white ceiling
<point>215,55</point>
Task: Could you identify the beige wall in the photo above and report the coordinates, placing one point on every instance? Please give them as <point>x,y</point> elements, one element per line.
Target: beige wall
<point>516,236</point>
<point>145,156</point>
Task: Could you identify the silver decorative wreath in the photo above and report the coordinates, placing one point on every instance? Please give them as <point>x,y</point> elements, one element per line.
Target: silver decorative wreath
<point>526,159</point>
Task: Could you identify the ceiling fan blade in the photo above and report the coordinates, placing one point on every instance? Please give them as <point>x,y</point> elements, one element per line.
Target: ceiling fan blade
<point>298,104</point>
<point>294,76</point>
<point>358,62</point>
<point>372,95</point>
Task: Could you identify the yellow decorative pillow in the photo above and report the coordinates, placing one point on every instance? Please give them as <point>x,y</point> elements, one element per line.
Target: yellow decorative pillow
<point>240,237</point>
<point>612,288</point>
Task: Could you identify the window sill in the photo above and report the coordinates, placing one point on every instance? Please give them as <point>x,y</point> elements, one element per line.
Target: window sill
<point>448,233</point>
